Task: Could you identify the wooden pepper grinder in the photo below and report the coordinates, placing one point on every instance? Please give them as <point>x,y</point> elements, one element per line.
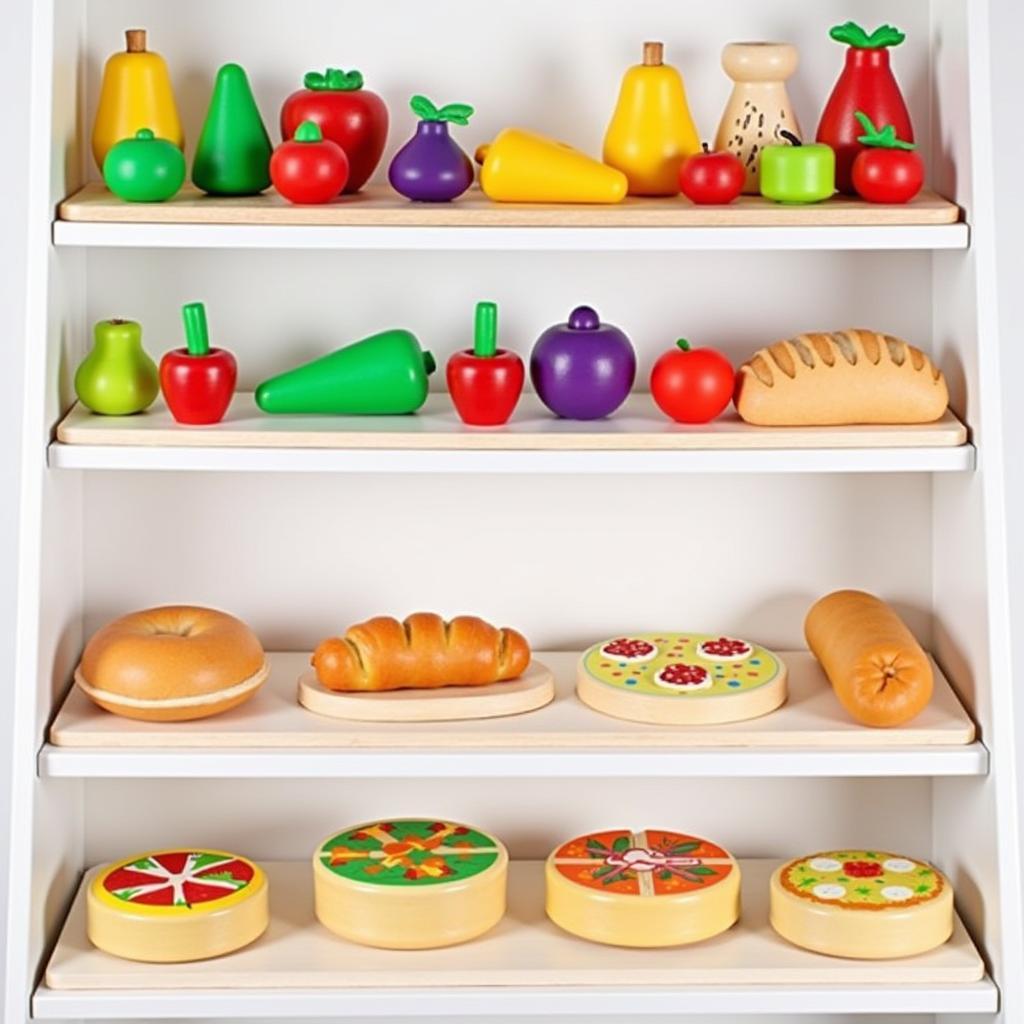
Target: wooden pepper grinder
<point>758,110</point>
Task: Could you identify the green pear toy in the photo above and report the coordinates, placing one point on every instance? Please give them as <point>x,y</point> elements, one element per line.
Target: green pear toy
<point>384,374</point>
<point>117,377</point>
<point>234,150</point>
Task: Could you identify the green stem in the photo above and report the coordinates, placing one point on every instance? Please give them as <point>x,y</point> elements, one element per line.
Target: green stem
<point>683,344</point>
<point>333,80</point>
<point>197,336</point>
<point>456,113</point>
<point>308,131</point>
<point>485,335</point>
<point>854,35</point>
<point>881,138</point>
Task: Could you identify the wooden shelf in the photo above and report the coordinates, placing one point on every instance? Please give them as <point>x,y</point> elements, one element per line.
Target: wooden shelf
<point>637,439</point>
<point>272,735</point>
<point>300,968</point>
<point>378,218</point>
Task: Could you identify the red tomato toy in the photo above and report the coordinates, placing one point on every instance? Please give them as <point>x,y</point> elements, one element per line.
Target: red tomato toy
<point>197,381</point>
<point>888,171</point>
<point>349,115</point>
<point>309,168</point>
<point>485,381</point>
<point>711,178</point>
<point>692,385</point>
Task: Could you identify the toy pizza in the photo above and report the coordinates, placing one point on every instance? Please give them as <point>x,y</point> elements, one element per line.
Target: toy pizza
<point>862,903</point>
<point>681,679</point>
<point>647,888</point>
<point>410,883</point>
<point>171,906</point>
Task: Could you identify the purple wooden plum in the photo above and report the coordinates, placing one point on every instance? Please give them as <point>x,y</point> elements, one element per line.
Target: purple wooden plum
<point>431,167</point>
<point>583,369</point>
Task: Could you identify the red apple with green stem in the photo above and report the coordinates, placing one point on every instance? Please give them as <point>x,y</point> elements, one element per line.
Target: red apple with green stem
<point>197,381</point>
<point>711,178</point>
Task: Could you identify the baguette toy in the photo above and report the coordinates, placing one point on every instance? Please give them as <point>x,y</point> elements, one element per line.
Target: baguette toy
<point>423,652</point>
<point>878,670</point>
<point>842,378</point>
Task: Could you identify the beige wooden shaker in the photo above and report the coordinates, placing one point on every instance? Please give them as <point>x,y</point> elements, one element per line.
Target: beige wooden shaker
<point>758,110</point>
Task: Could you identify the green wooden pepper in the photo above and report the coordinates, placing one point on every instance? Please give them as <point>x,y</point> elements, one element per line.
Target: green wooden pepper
<point>385,373</point>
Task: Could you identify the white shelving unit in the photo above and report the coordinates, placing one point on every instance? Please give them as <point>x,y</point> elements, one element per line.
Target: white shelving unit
<point>569,533</point>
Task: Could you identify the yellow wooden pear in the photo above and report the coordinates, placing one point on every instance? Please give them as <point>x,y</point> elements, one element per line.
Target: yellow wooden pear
<point>651,132</point>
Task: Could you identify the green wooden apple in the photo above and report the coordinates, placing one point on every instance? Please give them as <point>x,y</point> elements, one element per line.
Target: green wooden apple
<point>795,173</point>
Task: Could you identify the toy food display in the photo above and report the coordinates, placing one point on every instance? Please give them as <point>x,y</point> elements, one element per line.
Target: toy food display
<point>172,906</point>
<point>651,131</point>
<point>680,679</point>
<point>524,167</point>
<point>309,168</point>
<point>863,904</point>
<point>794,173</point>
<point>410,883</point>
<point>234,150</point>
<point>583,369</point>
<point>197,381</point>
<point>888,171</point>
<point>172,664</point>
<point>485,382</point>
<point>422,652</point>
<point>878,670</point>
<point>135,93</point>
<point>846,377</point>
<point>647,888</point>
<point>144,169</point>
<point>348,114</point>
<point>711,179</point>
<point>866,84</point>
<point>384,374</point>
<point>759,109</point>
<point>692,385</point>
<point>431,167</point>
<point>117,377</point>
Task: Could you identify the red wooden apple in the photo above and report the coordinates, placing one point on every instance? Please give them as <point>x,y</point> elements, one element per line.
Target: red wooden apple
<point>711,178</point>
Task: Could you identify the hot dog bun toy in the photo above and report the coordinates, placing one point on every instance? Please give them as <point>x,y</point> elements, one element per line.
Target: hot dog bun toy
<point>878,670</point>
<point>410,883</point>
<point>862,903</point>
<point>172,664</point>
<point>170,906</point>
<point>423,652</point>
<point>842,378</point>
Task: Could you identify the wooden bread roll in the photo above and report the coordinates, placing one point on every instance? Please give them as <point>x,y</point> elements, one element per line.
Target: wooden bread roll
<point>422,652</point>
<point>847,377</point>
<point>878,670</point>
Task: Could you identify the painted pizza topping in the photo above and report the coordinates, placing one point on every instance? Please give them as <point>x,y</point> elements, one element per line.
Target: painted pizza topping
<point>648,863</point>
<point>725,649</point>
<point>684,677</point>
<point>625,649</point>
<point>862,880</point>
<point>409,852</point>
<point>178,878</point>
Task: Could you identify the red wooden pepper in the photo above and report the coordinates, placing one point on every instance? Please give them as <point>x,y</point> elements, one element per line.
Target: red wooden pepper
<point>485,382</point>
<point>197,381</point>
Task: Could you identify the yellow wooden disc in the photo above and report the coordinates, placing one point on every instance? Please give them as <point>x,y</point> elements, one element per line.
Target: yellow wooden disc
<point>649,888</point>
<point>864,904</point>
<point>410,883</point>
<point>681,679</point>
<point>169,906</point>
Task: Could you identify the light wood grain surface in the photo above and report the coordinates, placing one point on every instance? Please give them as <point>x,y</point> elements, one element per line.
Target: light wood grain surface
<point>638,426</point>
<point>812,717</point>
<point>524,949</point>
<point>378,206</point>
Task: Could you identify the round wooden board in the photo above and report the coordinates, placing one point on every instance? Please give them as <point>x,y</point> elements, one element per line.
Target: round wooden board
<point>532,690</point>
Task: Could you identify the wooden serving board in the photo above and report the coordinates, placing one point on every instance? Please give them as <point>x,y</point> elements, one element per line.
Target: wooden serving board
<point>638,426</point>
<point>811,717</point>
<point>525,949</point>
<point>378,206</point>
<point>534,689</point>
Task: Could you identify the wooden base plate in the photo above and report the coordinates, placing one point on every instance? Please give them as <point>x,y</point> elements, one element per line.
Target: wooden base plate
<point>532,690</point>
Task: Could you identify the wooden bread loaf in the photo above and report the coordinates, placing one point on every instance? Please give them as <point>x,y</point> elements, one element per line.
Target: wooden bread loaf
<point>422,652</point>
<point>846,377</point>
<point>878,670</point>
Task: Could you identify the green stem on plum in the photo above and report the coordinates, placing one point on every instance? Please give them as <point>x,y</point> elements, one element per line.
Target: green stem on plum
<point>456,113</point>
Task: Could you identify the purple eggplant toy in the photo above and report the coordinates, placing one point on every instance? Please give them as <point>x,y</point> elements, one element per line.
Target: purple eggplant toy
<point>430,167</point>
<point>583,369</point>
